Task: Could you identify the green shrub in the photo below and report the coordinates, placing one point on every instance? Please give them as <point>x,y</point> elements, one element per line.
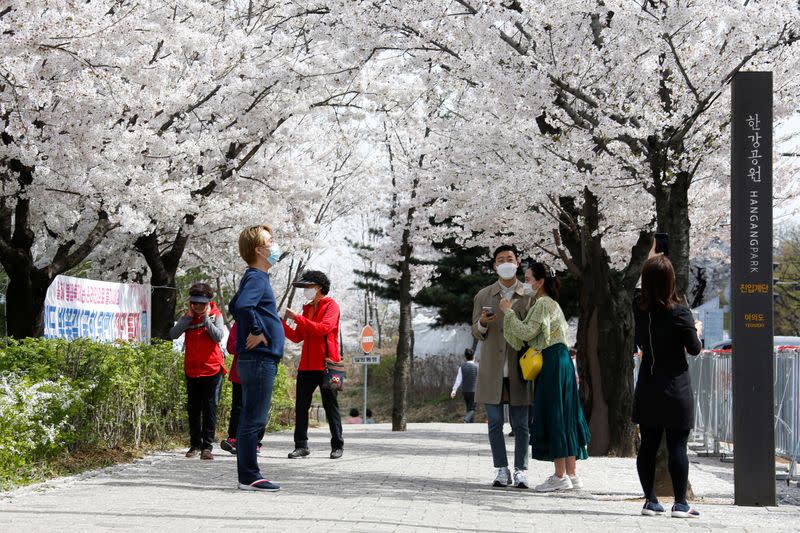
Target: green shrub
<point>382,374</point>
<point>35,418</point>
<point>57,394</point>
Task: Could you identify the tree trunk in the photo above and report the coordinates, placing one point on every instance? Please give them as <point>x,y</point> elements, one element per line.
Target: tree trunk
<point>27,287</point>
<point>403,359</point>
<point>163,269</point>
<point>672,218</point>
<point>605,332</point>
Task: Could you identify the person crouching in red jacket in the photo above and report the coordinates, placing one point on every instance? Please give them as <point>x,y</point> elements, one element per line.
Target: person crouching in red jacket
<point>203,328</point>
<point>317,327</point>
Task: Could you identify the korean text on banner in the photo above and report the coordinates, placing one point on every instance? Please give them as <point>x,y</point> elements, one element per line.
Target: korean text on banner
<point>100,310</point>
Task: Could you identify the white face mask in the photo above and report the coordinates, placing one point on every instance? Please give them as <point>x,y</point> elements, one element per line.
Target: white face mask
<point>309,293</point>
<point>527,289</point>
<point>507,270</point>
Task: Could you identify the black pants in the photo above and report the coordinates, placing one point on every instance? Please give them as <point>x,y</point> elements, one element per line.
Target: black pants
<point>307,383</point>
<point>236,411</point>
<point>201,406</point>
<point>678,461</point>
<point>469,403</point>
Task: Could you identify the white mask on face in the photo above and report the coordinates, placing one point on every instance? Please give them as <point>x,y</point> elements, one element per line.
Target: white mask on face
<point>527,289</point>
<point>309,293</point>
<point>507,270</point>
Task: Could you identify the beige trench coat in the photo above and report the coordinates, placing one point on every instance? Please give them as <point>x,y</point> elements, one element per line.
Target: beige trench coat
<point>494,350</point>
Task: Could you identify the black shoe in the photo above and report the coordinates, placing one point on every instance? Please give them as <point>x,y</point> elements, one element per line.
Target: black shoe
<point>192,452</point>
<point>229,445</point>
<point>336,453</point>
<point>299,452</point>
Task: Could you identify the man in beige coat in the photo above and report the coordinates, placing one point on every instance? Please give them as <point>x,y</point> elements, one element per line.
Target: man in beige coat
<point>499,378</point>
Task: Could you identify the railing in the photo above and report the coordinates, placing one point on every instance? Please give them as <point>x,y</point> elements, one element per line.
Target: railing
<point>713,395</point>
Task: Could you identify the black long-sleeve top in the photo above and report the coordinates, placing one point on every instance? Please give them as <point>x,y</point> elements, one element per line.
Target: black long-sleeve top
<point>665,337</point>
<point>663,396</point>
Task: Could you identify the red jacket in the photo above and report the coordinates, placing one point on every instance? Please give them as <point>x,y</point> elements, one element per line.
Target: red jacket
<point>203,355</point>
<point>316,326</point>
<point>231,347</point>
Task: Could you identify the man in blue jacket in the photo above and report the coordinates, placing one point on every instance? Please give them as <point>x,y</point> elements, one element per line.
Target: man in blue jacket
<point>259,344</point>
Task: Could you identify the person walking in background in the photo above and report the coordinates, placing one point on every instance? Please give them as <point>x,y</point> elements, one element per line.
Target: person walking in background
<point>259,347</point>
<point>467,378</point>
<point>354,418</point>
<point>229,444</point>
<point>663,399</point>
<point>203,328</point>
<point>559,432</point>
<point>317,327</point>
<point>499,377</point>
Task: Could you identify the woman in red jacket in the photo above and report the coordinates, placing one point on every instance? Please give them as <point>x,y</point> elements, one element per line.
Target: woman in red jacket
<point>317,327</point>
<point>203,328</point>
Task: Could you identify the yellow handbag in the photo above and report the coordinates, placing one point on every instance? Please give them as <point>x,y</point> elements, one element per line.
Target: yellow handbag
<point>531,364</point>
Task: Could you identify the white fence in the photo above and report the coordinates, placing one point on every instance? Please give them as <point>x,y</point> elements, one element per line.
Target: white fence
<point>713,393</point>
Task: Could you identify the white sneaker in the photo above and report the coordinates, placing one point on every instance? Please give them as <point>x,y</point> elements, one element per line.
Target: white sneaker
<point>520,479</point>
<point>577,483</point>
<point>503,477</point>
<point>554,483</point>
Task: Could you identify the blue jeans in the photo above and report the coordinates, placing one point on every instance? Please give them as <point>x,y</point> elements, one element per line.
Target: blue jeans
<point>257,374</point>
<point>518,415</point>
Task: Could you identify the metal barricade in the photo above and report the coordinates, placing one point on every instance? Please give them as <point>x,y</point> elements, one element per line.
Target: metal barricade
<point>787,410</point>
<point>712,378</point>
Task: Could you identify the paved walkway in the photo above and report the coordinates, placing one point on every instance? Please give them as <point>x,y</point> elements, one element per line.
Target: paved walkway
<point>434,477</point>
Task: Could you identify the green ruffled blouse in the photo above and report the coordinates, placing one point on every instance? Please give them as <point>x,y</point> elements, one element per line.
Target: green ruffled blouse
<point>544,326</point>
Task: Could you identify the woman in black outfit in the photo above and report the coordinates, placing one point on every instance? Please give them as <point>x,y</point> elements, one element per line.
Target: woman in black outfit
<point>663,401</point>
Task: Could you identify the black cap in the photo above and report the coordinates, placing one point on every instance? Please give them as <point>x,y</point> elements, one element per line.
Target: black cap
<point>314,277</point>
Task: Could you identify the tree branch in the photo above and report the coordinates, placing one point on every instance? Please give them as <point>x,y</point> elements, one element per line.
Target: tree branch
<point>166,125</point>
<point>667,37</point>
<point>63,261</point>
<point>562,254</point>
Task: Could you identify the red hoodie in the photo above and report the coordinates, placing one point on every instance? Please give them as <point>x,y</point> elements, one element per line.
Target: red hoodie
<point>203,355</point>
<point>315,326</point>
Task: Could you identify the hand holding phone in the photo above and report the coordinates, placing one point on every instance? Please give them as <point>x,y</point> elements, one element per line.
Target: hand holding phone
<point>487,315</point>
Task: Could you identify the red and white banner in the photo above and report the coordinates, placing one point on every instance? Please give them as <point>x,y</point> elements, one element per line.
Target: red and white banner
<point>101,310</point>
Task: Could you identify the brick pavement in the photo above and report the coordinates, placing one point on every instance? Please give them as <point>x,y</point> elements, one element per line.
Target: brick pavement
<point>434,477</point>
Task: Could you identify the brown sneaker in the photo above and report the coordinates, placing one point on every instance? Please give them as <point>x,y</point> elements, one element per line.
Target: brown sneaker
<point>192,452</point>
<point>206,454</point>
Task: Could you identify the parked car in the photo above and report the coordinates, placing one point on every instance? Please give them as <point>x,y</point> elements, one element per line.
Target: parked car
<point>779,341</point>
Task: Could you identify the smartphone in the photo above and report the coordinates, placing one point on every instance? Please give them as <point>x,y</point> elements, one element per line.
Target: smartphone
<point>662,244</point>
<point>489,310</point>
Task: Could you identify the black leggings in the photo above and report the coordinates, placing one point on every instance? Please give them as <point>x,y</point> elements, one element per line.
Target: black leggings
<point>678,461</point>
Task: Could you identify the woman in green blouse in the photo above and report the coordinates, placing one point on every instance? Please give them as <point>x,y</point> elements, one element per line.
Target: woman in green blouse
<point>559,432</point>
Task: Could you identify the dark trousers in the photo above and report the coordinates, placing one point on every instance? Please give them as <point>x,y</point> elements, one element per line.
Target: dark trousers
<point>307,383</point>
<point>469,403</point>
<point>678,461</point>
<point>236,411</point>
<point>201,406</point>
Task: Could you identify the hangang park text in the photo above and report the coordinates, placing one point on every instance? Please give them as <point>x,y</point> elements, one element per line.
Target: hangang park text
<point>455,265</point>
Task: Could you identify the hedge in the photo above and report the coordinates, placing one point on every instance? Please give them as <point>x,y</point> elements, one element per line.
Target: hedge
<point>58,395</point>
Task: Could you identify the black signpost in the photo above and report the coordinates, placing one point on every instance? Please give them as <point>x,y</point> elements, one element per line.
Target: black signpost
<point>751,289</point>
